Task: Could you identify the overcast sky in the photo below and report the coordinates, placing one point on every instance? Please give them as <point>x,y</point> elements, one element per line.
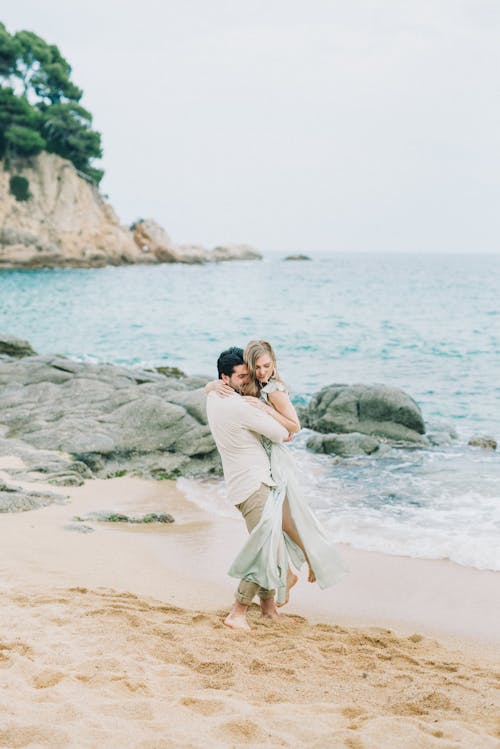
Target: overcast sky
<point>292,125</point>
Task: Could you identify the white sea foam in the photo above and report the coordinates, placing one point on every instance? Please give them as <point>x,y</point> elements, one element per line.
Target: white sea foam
<point>208,495</point>
<point>414,507</point>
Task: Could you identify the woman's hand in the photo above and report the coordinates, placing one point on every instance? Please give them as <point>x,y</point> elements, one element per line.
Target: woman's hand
<point>219,387</point>
<point>223,390</point>
<point>256,402</point>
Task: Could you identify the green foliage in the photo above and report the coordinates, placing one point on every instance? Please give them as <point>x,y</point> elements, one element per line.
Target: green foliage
<point>23,140</point>
<point>19,187</point>
<point>67,130</point>
<point>43,70</point>
<point>39,104</point>
<point>9,50</point>
<point>16,112</point>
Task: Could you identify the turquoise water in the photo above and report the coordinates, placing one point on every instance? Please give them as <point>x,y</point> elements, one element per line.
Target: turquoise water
<point>427,324</point>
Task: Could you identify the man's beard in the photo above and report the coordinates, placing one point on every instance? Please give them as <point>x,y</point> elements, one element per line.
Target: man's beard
<point>238,387</point>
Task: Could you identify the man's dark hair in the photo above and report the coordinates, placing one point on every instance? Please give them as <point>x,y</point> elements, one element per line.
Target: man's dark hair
<point>228,360</point>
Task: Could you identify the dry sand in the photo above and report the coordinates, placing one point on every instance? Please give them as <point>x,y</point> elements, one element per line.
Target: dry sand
<point>115,639</point>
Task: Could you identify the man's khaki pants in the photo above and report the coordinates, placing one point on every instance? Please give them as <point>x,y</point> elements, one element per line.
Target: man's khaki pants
<point>251,509</point>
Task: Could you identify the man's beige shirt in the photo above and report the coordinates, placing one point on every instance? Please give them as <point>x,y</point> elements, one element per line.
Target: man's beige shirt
<point>237,428</point>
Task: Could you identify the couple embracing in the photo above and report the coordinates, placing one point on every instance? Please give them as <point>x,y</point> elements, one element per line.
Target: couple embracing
<point>251,417</point>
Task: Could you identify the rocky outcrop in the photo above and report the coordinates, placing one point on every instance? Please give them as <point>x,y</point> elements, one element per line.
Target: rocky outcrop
<point>153,240</point>
<point>222,253</point>
<point>70,420</point>
<point>297,257</point>
<point>157,244</point>
<point>375,410</point>
<point>66,222</point>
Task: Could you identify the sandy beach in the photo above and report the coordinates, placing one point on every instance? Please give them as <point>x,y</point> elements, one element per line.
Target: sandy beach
<point>114,638</point>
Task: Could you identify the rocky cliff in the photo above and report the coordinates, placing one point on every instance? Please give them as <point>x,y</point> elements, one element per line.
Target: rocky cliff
<point>65,221</point>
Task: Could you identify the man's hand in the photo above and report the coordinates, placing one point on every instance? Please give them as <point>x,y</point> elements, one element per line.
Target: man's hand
<point>289,438</point>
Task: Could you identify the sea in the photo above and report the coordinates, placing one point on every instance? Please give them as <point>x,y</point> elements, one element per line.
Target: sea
<point>429,324</point>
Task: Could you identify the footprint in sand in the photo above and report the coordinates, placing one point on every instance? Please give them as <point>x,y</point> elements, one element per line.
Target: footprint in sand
<point>8,649</point>
<point>243,732</point>
<point>17,737</point>
<point>128,710</point>
<point>425,704</point>
<point>214,668</point>
<point>203,707</point>
<point>47,679</point>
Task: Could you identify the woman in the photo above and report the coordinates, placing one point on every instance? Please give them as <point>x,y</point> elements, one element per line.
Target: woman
<point>287,530</point>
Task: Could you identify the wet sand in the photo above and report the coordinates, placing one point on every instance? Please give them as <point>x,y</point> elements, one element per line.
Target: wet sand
<point>115,639</point>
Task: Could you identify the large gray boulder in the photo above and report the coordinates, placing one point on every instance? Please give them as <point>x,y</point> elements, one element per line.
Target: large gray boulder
<point>376,410</point>
<point>107,418</point>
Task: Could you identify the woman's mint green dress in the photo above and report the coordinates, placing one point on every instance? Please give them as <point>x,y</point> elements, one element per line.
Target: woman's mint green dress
<point>265,557</point>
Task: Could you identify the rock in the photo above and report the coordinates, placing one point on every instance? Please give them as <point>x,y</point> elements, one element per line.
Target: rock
<point>440,433</point>
<point>15,347</point>
<point>71,420</point>
<point>376,410</point>
<point>152,238</point>
<point>193,254</point>
<point>487,443</point>
<point>343,444</point>
<point>45,465</point>
<point>16,499</point>
<point>171,372</point>
<point>440,438</point>
<point>79,528</point>
<point>66,479</point>
<point>235,252</point>
<point>298,257</point>
<point>188,253</point>
<point>119,517</point>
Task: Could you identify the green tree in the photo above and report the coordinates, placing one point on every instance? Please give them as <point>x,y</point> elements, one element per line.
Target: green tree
<point>16,112</point>
<point>9,50</point>
<point>67,130</point>
<point>23,140</point>
<point>39,104</point>
<point>43,71</point>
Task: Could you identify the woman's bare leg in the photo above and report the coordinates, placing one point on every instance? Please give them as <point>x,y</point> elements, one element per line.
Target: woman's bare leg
<point>291,529</point>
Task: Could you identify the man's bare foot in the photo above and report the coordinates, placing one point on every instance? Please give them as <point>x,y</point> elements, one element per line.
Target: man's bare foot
<point>312,577</point>
<point>237,618</point>
<point>291,580</point>
<point>269,610</point>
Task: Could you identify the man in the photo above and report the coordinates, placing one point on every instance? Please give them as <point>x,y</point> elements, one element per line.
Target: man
<point>237,428</point>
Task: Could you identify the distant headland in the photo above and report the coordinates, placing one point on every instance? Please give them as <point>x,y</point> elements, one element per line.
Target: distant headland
<point>52,213</point>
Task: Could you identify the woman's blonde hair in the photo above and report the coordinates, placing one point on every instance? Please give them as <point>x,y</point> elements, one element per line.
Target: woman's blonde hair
<point>253,351</point>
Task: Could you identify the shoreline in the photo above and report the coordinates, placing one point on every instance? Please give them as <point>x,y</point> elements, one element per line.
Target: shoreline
<point>440,597</point>
<point>116,638</point>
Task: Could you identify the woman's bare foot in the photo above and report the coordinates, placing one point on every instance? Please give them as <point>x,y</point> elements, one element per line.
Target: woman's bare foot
<point>237,618</point>
<point>269,610</point>
<point>312,577</point>
<point>291,580</point>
